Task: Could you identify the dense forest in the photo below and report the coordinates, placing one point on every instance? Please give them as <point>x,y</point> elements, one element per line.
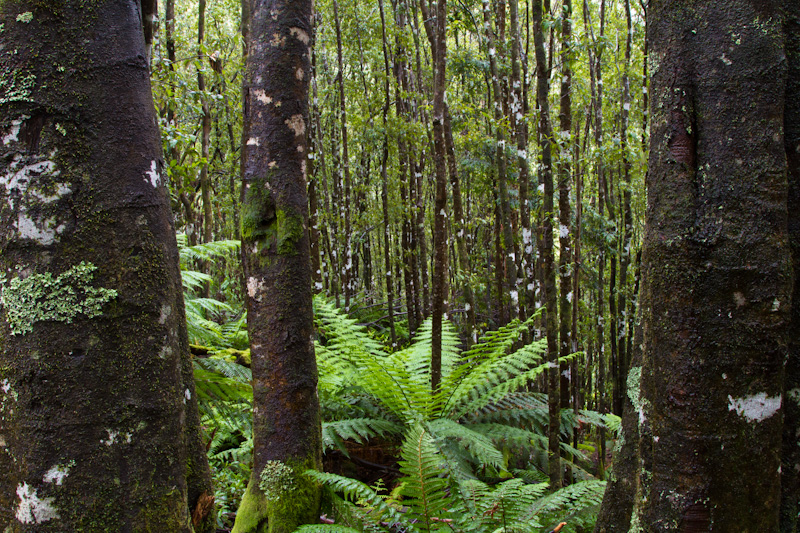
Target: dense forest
<point>407,266</point>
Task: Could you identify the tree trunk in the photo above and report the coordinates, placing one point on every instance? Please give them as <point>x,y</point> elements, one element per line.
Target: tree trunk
<point>275,255</point>
<point>790,482</point>
<point>549,272</point>
<point>347,265</point>
<point>95,404</point>
<point>717,272</point>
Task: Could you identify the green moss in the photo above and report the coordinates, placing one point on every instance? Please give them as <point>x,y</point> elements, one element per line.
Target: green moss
<point>290,231</point>
<point>39,297</point>
<point>251,517</point>
<point>280,499</point>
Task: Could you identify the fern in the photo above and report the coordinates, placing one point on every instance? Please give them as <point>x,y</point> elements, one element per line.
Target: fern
<point>357,429</point>
<point>424,485</point>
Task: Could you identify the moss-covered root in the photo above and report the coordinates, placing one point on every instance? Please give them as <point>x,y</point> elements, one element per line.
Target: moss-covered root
<point>280,500</point>
<point>251,517</point>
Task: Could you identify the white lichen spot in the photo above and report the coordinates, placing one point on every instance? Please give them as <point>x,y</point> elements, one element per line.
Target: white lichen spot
<point>13,134</point>
<point>467,307</point>
<point>300,34</point>
<point>253,141</point>
<point>318,285</point>
<point>755,408</point>
<point>794,395</point>
<point>112,437</point>
<point>261,96</point>
<point>569,296</point>
<point>540,188</point>
<point>725,60</point>
<point>187,394</point>
<point>277,40</point>
<point>514,297</point>
<point>272,164</point>
<point>152,175</point>
<point>165,351</point>
<point>776,305</point>
<point>739,298</point>
<point>626,106</point>
<point>58,473</point>
<point>166,310</point>
<point>43,233</point>
<point>255,288</point>
<point>299,74</point>
<point>296,124</point>
<point>32,509</point>
<point>563,231</point>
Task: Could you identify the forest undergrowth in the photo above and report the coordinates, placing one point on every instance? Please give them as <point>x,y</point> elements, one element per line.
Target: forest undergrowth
<point>471,456</point>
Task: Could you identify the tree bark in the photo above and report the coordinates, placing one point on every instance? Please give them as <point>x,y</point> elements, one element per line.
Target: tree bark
<point>275,255</point>
<point>790,476</point>
<point>96,403</point>
<point>717,271</point>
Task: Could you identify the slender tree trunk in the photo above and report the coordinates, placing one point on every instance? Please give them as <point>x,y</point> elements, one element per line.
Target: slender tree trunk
<point>98,421</point>
<point>509,295</point>
<point>626,218</point>
<point>459,225</point>
<point>519,111</point>
<point>347,260</point>
<point>717,272</point>
<point>548,261</point>
<point>436,28</point>
<point>277,269</point>
<point>205,137</point>
<point>385,181</point>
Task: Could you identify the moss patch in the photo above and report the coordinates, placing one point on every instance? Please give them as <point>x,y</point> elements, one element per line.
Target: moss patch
<point>280,499</point>
<point>290,231</point>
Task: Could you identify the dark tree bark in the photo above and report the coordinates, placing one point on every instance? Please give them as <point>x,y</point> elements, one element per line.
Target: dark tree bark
<point>790,468</point>
<point>717,272</point>
<point>98,417</point>
<point>275,255</point>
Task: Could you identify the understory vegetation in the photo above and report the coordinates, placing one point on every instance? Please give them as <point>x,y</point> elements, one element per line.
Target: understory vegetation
<point>471,457</point>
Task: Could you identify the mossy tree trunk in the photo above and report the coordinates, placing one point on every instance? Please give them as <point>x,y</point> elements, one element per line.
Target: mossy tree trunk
<point>717,270</point>
<point>277,268</point>
<point>99,428</point>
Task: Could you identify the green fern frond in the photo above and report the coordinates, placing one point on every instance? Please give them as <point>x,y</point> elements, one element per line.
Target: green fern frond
<point>424,485</point>
<point>571,501</point>
<point>478,446</point>
<point>359,493</point>
<point>359,430</point>
<point>208,251</point>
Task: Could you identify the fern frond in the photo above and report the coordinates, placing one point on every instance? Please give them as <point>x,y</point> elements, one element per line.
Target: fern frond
<point>359,430</point>
<point>207,251</point>
<point>480,448</point>
<point>359,493</point>
<point>568,501</point>
<point>424,485</point>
